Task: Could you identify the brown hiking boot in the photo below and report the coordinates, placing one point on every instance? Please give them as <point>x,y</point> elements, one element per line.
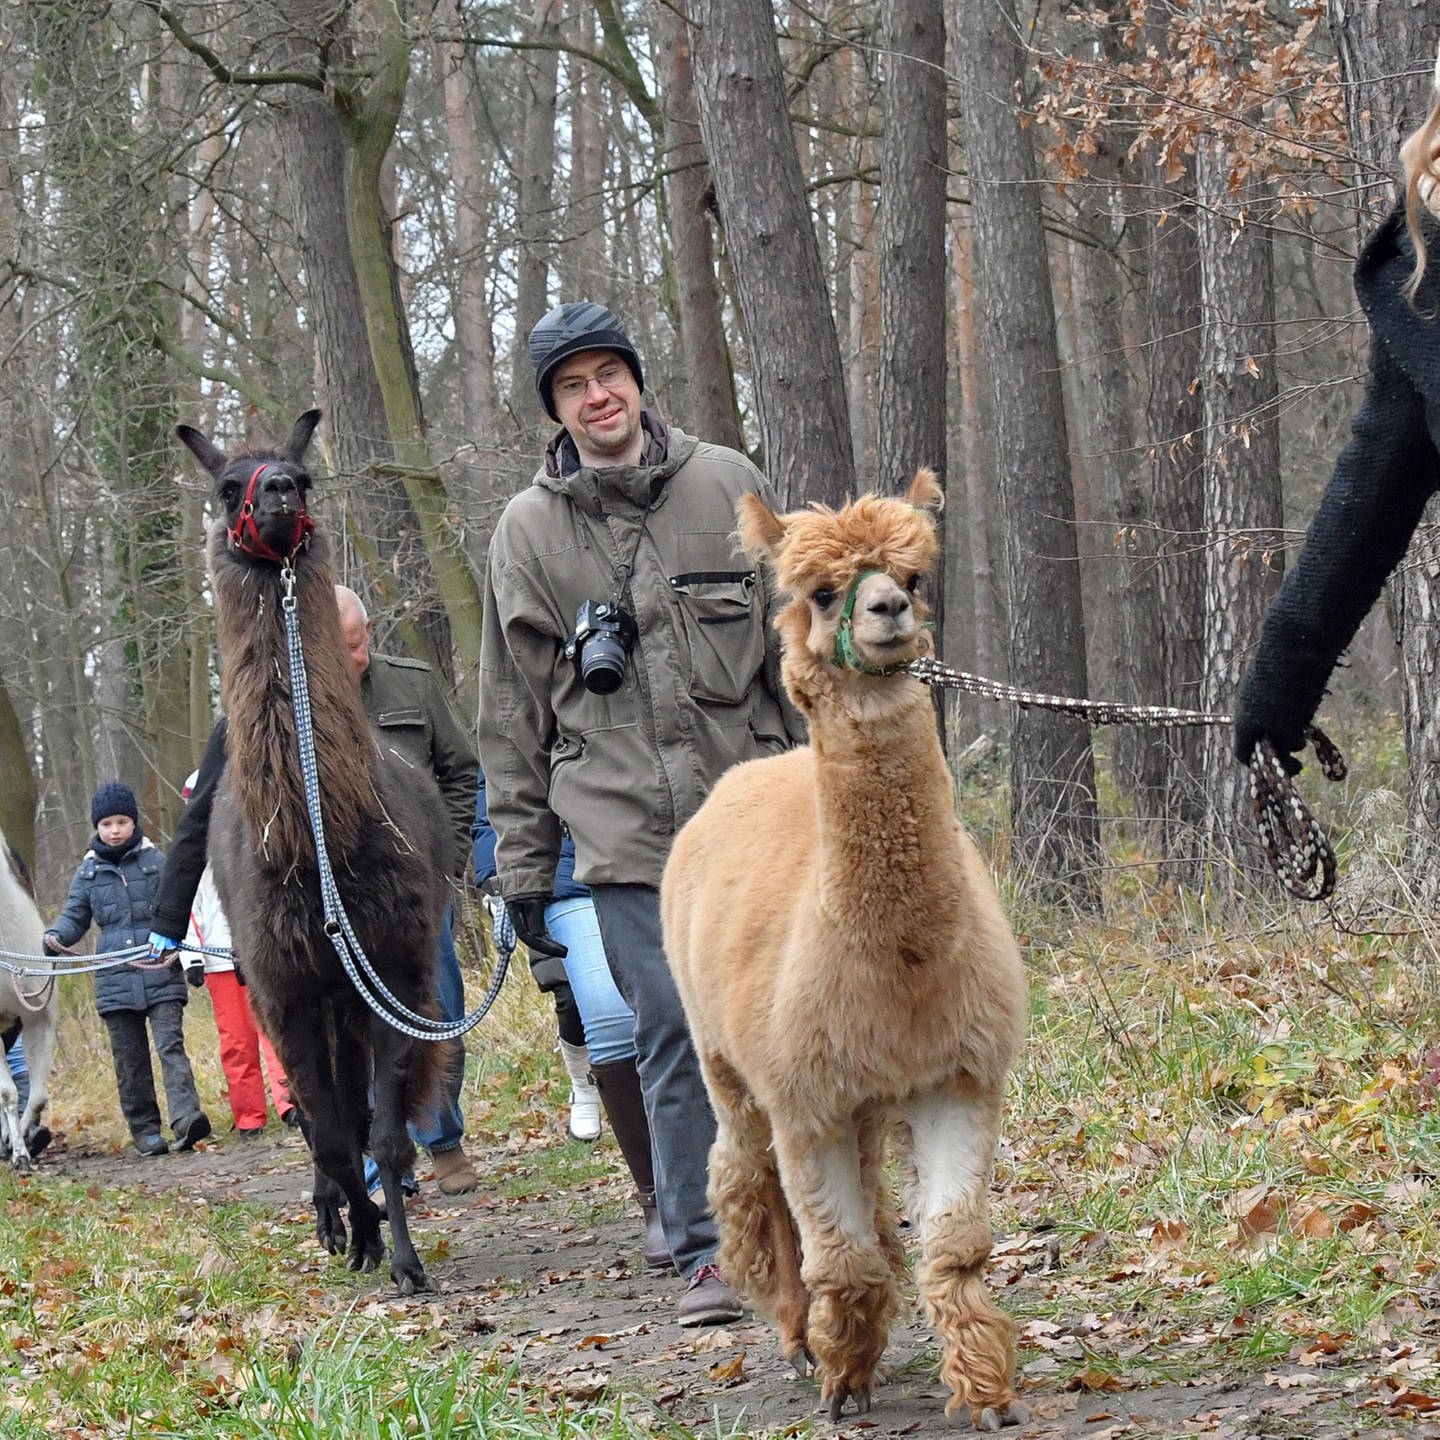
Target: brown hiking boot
<point>708,1300</point>
<point>454,1173</point>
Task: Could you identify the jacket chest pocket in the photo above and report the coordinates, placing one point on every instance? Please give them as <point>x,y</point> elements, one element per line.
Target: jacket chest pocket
<point>402,732</point>
<point>722,622</point>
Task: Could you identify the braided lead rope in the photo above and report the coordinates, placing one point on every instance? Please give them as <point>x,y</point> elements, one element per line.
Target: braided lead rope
<point>48,965</point>
<point>337,922</point>
<point>1294,841</point>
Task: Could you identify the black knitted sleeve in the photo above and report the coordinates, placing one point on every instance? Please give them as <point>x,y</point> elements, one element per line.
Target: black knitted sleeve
<point>1369,511</point>
<point>185,860</point>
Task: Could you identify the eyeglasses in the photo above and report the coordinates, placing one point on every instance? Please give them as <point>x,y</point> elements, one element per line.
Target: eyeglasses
<point>608,377</point>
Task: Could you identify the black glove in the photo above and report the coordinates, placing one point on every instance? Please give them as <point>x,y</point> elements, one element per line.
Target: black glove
<point>1249,733</point>
<point>527,915</point>
<point>194,969</point>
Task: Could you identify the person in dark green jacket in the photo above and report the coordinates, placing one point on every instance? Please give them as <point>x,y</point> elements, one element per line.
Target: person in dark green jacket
<point>115,888</point>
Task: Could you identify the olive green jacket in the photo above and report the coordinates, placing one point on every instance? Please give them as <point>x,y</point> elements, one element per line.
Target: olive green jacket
<point>414,722</point>
<point>702,685</point>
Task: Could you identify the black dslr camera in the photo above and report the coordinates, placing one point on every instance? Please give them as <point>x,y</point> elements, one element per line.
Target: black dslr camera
<point>604,633</point>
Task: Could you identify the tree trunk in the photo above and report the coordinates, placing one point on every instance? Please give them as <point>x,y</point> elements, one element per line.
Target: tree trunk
<point>368,123</point>
<point>690,193</point>
<point>1243,510</point>
<point>910,400</point>
<point>18,795</point>
<point>1055,825</point>
<point>535,208</point>
<point>799,382</point>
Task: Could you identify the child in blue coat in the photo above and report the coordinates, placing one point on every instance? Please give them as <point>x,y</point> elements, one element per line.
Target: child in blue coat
<point>114,889</point>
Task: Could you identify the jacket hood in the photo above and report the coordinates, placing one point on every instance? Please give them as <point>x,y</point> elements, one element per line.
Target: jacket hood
<point>665,451</point>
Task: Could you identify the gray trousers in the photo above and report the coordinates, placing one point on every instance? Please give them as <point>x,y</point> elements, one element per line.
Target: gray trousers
<point>682,1125</point>
<point>130,1048</point>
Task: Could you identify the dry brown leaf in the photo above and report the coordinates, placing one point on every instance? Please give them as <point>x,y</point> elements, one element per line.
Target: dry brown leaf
<point>1314,1223</point>
<point>729,1372</point>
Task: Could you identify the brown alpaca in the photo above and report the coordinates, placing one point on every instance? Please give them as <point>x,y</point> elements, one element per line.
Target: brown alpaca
<point>384,832</point>
<point>849,976</point>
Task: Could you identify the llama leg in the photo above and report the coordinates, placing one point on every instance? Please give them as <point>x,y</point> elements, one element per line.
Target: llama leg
<point>331,1135</point>
<point>953,1143</point>
<point>393,1149</point>
<point>846,1271</point>
<point>759,1247</point>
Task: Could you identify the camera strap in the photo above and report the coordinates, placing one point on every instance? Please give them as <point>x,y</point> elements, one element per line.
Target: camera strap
<point>626,569</point>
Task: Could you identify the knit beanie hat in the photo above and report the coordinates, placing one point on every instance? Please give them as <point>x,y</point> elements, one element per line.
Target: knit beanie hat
<point>114,797</point>
<point>567,330</point>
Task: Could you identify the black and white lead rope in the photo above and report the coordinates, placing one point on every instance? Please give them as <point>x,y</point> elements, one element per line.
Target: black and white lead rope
<point>1294,842</point>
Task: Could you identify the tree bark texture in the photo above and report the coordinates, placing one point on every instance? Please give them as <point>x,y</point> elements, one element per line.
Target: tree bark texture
<point>535,208</point>
<point>690,194</point>
<point>1243,510</point>
<point>795,357</point>
<point>1056,828</point>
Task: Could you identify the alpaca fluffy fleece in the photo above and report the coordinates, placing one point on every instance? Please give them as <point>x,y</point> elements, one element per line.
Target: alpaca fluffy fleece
<point>850,979</point>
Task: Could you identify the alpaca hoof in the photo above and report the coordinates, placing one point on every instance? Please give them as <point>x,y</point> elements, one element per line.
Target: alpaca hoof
<point>861,1397</point>
<point>992,1417</point>
<point>802,1362</point>
<point>20,1160</point>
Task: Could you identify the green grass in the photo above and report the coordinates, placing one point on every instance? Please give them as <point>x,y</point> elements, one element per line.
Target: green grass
<point>1220,1153</point>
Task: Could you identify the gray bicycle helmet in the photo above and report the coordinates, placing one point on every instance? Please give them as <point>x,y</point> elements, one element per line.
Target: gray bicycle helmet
<point>567,330</point>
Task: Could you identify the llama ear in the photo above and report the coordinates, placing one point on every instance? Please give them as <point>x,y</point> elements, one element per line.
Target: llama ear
<point>761,529</point>
<point>212,459</point>
<point>299,439</point>
<point>925,492</point>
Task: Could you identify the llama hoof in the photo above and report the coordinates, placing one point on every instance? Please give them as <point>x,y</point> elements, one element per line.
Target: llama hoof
<point>410,1279</point>
<point>802,1362</point>
<point>330,1230</point>
<point>366,1255</point>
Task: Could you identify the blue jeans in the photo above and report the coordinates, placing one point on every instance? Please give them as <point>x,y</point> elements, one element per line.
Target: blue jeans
<point>609,1022</point>
<point>443,1128</point>
<point>19,1070</point>
<point>682,1125</point>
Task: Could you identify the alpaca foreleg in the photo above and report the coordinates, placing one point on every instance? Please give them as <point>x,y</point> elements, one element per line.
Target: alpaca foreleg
<point>11,1135</point>
<point>845,1270</point>
<point>40,1057</point>
<point>393,1149</point>
<point>953,1143</point>
<point>759,1246</point>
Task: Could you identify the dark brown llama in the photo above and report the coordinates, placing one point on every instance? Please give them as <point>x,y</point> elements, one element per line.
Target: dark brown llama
<point>384,833</point>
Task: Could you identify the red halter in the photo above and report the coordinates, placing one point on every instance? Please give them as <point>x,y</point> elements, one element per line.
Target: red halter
<point>245,534</point>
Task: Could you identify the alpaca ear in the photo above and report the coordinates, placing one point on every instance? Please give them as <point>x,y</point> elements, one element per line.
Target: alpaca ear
<point>299,439</point>
<point>212,459</point>
<point>761,529</point>
<point>925,492</point>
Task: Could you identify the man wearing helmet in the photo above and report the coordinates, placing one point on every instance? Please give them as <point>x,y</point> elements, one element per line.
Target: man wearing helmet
<point>627,662</point>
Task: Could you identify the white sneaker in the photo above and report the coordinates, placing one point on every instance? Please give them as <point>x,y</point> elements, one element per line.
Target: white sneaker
<point>584,1097</point>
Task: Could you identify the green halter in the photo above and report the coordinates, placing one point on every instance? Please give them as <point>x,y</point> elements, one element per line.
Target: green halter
<point>845,655</point>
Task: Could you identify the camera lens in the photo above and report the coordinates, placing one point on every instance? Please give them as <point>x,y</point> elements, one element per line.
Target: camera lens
<point>602,664</point>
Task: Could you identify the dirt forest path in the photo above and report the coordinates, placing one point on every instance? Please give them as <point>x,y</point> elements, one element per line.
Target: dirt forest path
<point>555,1283</point>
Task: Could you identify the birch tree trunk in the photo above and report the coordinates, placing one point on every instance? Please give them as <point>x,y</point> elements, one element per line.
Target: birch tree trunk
<point>795,357</point>
<point>1054,820</point>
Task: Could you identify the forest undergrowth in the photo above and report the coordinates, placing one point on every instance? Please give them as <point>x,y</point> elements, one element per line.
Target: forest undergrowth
<point>1220,1154</point>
